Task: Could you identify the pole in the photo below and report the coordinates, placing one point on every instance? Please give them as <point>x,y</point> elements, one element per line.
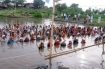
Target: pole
<point>103,47</point>
<point>15,5</point>
<point>51,37</point>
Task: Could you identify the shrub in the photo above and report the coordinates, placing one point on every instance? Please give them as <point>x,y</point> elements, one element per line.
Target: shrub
<point>37,14</point>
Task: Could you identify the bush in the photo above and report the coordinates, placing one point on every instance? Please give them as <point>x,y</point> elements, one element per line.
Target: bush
<point>37,14</point>
<point>2,15</point>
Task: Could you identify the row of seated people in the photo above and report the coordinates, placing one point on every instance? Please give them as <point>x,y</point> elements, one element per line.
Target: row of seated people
<point>57,43</point>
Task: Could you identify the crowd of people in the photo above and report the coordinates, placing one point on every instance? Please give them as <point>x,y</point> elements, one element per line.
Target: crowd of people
<point>19,33</point>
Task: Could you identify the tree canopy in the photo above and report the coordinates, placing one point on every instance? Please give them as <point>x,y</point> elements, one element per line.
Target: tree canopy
<point>61,7</point>
<point>18,1</point>
<point>6,1</point>
<point>38,3</point>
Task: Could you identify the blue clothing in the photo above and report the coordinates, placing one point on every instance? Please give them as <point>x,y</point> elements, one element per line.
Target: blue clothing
<point>10,42</point>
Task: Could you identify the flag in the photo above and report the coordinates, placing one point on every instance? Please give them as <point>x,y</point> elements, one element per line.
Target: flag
<point>47,1</point>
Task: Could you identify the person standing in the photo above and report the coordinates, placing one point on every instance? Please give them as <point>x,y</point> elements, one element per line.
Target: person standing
<point>69,16</point>
<point>61,16</point>
<point>75,16</point>
<point>66,18</point>
<point>79,16</point>
<point>91,19</point>
<point>64,15</point>
<point>87,18</point>
<point>99,19</point>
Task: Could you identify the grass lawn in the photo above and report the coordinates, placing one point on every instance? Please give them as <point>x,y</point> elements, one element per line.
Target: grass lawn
<point>31,12</point>
<point>17,12</point>
<point>95,23</point>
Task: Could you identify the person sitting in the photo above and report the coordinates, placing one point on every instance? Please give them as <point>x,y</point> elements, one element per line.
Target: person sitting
<point>96,40</point>
<point>70,43</point>
<point>75,41</point>
<point>41,46</point>
<point>26,39</point>
<point>83,41</point>
<point>10,41</point>
<point>42,37</point>
<point>38,37</point>
<point>63,44</point>
<point>68,35</point>
<point>57,43</point>
<point>21,39</point>
<point>78,34</point>
<point>32,37</point>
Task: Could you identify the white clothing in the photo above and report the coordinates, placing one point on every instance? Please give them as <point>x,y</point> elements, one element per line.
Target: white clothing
<point>99,19</point>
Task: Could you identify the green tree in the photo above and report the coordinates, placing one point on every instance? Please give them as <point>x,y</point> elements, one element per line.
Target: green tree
<point>74,5</point>
<point>103,11</point>
<point>21,1</point>
<point>96,11</point>
<point>61,7</point>
<point>38,3</point>
<point>6,1</point>
<point>18,2</point>
<point>74,9</point>
<point>89,11</point>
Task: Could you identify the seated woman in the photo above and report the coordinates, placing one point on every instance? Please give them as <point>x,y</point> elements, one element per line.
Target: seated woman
<point>63,44</point>
<point>83,41</point>
<point>10,41</point>
<point>41,46</point>
<point>21,39</point>
<point>70,43</point>
<point>57,43</point>
<point>75,41</point>
<point>32,37</point>
<point>26,39</point>
<point>78,34</point>
<point>38,37</point>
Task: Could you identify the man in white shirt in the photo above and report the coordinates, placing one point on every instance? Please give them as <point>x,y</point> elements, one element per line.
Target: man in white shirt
<point>78,16</point>
<point>75,16</point>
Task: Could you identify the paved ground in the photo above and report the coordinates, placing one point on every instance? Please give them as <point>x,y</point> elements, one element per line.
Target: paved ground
<point>27,55</point>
